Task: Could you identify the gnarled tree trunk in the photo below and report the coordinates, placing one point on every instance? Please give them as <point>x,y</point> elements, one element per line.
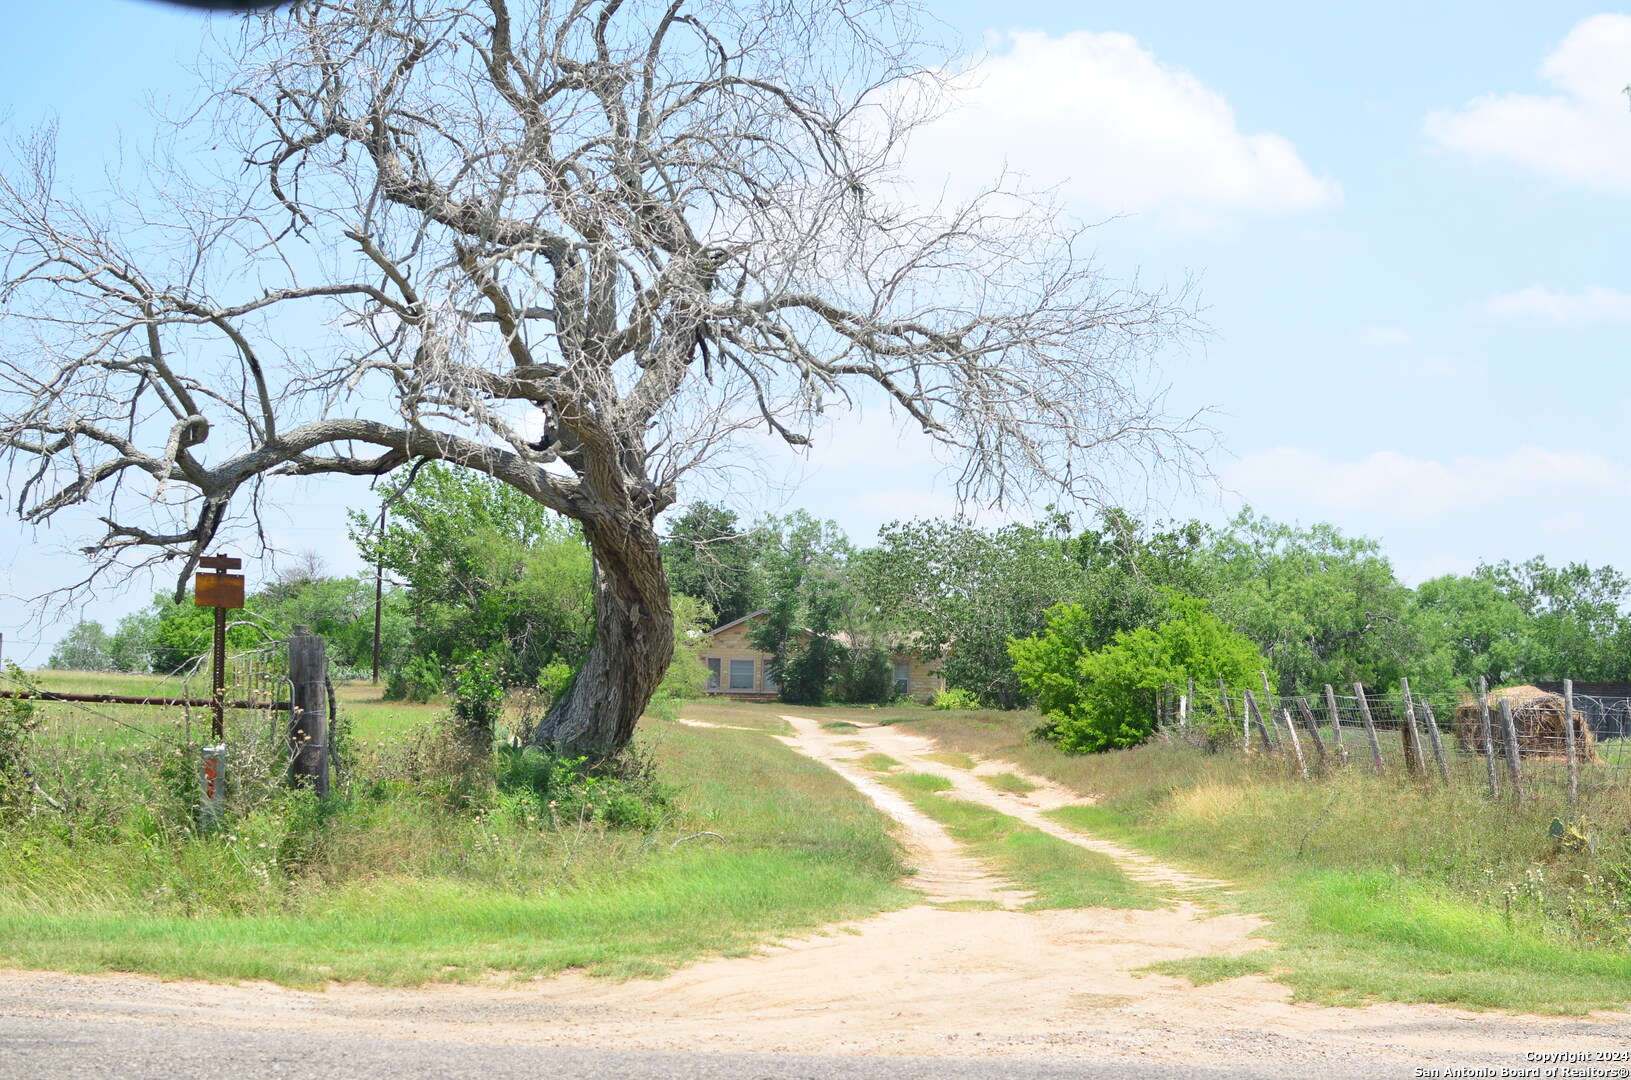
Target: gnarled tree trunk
<point>634,641</point>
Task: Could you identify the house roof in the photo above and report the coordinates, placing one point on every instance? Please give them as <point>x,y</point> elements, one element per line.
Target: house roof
<point>738,622</point>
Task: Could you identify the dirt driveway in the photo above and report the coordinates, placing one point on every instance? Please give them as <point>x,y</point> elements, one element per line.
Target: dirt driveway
<point>927,980</point>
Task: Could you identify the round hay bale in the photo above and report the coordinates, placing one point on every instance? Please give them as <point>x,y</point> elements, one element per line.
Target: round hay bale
<point>1539,719</point>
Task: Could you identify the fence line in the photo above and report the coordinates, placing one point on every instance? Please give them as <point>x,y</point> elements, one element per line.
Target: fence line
<point>1564,746</point>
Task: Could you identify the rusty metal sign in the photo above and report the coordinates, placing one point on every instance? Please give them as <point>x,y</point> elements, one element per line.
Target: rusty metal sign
<point>218,590</point>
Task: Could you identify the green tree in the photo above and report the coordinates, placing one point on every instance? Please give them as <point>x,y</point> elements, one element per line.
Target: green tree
<point>342,611</point>
<point>809,599</point>
<point>1577,628</point>
<point>486,570</point>
<point>1473,629</point>
<point>709,556</point>
<point>83,648</point>
<point>132,643</point>
<point>959,593</point>
<point>183,632</point>
<point>1322,606</point>
<point>1103,699</point>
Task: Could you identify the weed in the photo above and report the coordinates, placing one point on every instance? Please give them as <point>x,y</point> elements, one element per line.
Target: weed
<point>1009,784</point>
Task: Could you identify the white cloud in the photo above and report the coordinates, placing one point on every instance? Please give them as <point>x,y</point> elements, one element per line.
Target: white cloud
<point>1118,129</point>
<point>1580,135</point>
<point>1594,304</point>
<point>1393,486</point>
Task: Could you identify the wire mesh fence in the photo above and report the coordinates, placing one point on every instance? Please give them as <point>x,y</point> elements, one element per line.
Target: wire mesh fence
<point>90,759</point>
<point>1520,742</point>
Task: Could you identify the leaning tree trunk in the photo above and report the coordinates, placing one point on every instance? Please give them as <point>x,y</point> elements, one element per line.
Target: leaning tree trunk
<point>634,641</point>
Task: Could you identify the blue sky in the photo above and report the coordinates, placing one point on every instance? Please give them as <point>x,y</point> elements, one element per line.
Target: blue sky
<point>1407,226</point>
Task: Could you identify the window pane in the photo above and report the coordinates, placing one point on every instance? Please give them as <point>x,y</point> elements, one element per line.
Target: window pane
<point>741,674</point>
<point>713,672</point>
<point>903,678</point>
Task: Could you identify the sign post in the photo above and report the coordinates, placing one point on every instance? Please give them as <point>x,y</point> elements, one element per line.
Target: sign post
<point>214,588</point>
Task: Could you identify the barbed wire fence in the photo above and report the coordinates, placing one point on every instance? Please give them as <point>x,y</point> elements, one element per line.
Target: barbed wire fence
<point>1520,743</point>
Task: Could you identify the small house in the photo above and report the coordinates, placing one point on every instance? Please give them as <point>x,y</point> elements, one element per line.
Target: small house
<point>736,669</point>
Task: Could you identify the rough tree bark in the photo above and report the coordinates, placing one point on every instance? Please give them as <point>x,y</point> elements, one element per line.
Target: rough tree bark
<point>585,247</point>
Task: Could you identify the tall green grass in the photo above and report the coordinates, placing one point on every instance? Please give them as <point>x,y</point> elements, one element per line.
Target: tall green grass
<point>1378,887</point>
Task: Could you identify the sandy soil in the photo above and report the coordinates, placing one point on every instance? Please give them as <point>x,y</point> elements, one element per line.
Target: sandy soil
<point>925,980</point>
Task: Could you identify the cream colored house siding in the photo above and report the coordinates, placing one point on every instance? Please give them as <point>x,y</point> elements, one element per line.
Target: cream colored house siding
<point>730,642</point>
<point>923,676</point>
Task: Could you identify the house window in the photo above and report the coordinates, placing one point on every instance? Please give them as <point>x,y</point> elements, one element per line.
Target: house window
<point>713,672</point>
<point>770,682</point>
<point>741,674</point>
<point>903,679</point>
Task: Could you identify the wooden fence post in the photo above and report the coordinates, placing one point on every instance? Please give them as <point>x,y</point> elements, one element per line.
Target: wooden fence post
<point>1268,703</point>
<point>1489,738</point>
<point>1313,728</point>
<point>1568,735</point>
<point>1336,724</point>
<point>1438,743</point>
<point>1228,715</point>
<point>1370,730</point>
<point>1409,735</point>
<point>1296,745</point>
<point>1189,700</point>
<point>308,712</point>
<point>1256,713</point>
<point>1514,756</point>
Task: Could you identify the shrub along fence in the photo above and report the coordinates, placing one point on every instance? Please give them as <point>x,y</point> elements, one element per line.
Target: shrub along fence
<point>210,741</point>
<point>1521,742</point>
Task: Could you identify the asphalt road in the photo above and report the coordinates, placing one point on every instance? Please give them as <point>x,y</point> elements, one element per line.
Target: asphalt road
<point>51,1047</point>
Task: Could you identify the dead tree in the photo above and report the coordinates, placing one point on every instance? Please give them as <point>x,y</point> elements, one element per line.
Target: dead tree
<point>584,247</point>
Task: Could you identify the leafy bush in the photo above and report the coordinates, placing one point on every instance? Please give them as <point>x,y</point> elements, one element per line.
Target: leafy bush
<point>1105,699</point>
<point>554,680</point>
<point>478,698</point>
<point>534,786</point>
<point>418,680</point>
<point>18,719</point>
<point>865,677</point>
<point>956,699</point>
